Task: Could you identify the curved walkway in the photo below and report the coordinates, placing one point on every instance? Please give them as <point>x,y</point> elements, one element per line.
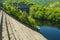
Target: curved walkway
<point>14,30</point>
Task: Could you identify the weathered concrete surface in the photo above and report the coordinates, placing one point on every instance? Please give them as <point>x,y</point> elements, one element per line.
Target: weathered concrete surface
<point>14,30</point>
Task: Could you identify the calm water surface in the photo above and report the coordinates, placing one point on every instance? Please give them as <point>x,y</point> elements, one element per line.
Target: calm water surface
<point>50,33</point>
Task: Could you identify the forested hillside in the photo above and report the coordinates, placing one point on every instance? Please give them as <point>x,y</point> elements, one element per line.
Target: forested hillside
<point>42,2</point>
<point>43,10</point>
<point>45,2</point>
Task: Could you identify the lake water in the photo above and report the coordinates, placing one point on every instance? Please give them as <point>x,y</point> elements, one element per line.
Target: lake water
<point>50,33</point>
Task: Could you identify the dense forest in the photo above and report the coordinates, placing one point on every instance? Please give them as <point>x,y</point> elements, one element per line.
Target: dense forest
<point>38,10</point>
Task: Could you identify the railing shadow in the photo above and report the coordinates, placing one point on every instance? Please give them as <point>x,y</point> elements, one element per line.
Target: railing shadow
<point>1,26</point>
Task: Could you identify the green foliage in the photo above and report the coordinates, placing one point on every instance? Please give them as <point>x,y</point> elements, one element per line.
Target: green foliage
<point>55,4</point>
<point>36,12</point>
<point>20,15</point>
<point>41,12</point>
<point>32,22</point>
